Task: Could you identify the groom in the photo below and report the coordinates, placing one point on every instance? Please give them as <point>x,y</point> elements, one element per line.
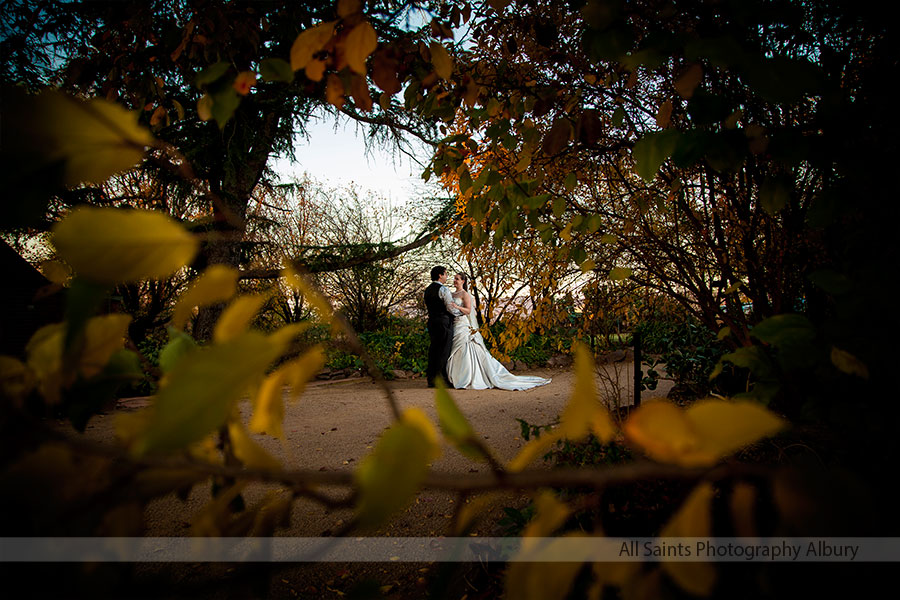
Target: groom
<point>441,312</point>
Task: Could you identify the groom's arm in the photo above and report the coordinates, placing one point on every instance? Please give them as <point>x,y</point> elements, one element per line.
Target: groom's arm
<point>444,294</point>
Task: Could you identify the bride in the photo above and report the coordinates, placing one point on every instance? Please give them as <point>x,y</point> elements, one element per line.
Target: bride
<point>471,366</point>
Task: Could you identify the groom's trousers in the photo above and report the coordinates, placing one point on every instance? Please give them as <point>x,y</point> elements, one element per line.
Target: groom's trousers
<point>441,341</point>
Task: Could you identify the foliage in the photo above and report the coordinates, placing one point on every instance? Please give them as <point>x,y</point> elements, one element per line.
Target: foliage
<point>401,344</point>
<point>720,154</point>
<point>688,349</point>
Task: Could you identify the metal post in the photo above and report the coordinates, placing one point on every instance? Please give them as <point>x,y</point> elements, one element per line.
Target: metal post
<point>638,375</point>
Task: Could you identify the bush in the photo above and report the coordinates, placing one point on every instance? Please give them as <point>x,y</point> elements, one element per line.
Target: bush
<point>400,344</point>
<point>689,350</point>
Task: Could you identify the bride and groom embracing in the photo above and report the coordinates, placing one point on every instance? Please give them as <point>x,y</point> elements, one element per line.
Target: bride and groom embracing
<point>457,352</point>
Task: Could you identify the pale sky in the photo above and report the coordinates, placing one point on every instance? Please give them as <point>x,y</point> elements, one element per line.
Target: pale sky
<point>338,157</point>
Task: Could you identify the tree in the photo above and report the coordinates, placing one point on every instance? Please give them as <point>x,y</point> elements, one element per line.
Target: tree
<point>701,152</point>
<point>165,57</point>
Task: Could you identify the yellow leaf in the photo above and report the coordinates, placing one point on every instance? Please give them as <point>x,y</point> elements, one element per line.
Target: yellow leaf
<point>315,69</point>
<point>309,42</point>
<point>268,405</point>
<point>359,89</point>
<point>236,319</point>
<point>16,379</point>
<point>524,161</point>
<point>693,519</point>
<point>701,435</point>
<point>664,116</point>
<point>440,58</point>
<point>848,363</point>
<point>109,245</point>
<point>588,265</point>
<point>103,336</point>
<point>56,271</point>
<point>345,8</point>
<point>743,507</point>
<point>204,107</point>
<point>417,418</point>
<point>361,42</point>
<point>473,508</point>
<point>531,450</point>
<point>218,283</point>
<point>334,91</point>
<point>284,336</point>
<point>550,516</point>
<point>616,574</point>
<point>129,425</point>
<point>248,451</point>
<point>310,294</point>
<point>389,477</point>
<point>725,426</point>
<point>244,81</point>
<point>92,138</point>
<point>273,510</point>
<point>662,430</point>
<point>212,518</point>
<point>585,413</point>
<point>544,574</point>
<point>158,115</point>
<point>688,81</point>
<point>301,370</point>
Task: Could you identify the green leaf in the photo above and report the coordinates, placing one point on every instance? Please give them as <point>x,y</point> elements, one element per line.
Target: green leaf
<point>454,424</point>
<point>705,108</point>
<point>618,117</point>
<point>783,80</point>
<point>749,357</point>
<point>781,330</point>
<point>652,150</point>
<point>276,69</point>
<point>831,281</point>
<point>593,223</point>
<point>619,273</point>
<point>201,391</point>
<point>465,234</point>
<point>211,73</point>
<point>535,202</point>
<point>774,195</point>
<point>109,245</point>
<point>608,238</point>
<point>83,298</point>
<point>481,180</point>
<point>559,206</point>
<point>225,103</point>
<point>570,182</point>
<point>465,181</point>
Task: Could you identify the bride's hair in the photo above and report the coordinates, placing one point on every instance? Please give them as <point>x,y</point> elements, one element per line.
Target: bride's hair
<point>465,281</point>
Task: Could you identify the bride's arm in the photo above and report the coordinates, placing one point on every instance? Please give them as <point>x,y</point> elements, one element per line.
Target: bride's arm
<point>466,307</point>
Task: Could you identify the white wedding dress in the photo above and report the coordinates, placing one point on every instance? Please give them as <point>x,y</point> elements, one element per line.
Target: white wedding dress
<point>472,367</point>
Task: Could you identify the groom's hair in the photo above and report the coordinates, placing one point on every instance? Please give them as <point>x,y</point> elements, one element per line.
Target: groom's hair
<point>437,272</point>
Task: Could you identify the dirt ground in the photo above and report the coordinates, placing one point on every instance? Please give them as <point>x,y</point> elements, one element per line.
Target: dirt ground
<point>331,428</point>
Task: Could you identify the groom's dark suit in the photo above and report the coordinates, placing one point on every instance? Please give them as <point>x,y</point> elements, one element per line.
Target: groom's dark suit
<point>440,334</point>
